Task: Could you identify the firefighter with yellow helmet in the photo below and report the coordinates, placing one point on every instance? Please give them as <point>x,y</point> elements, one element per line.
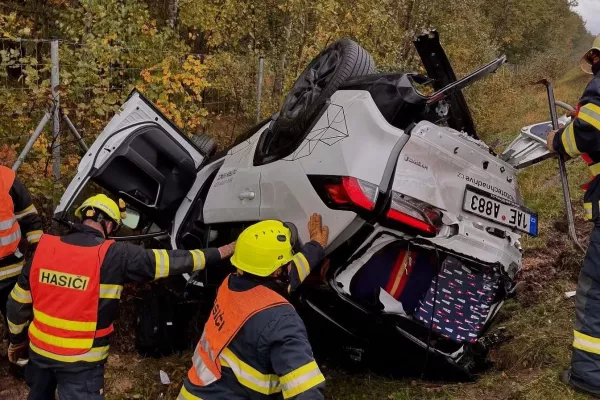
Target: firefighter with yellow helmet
<point>582,138</point>
<point>68,296</point>
<point>254,344</point>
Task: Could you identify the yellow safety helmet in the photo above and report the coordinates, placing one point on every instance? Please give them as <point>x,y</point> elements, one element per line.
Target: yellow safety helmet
<point>586,63</point>
<point>264,247</point>
<point>102,202</point>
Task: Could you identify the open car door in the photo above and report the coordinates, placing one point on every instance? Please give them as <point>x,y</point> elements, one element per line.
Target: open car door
<point>142,158</point>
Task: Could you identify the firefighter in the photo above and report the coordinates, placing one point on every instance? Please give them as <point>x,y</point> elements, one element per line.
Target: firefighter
<point>254,344</point>
<point>68,296</point>
<point>18,217</point>
<point>582,137</point>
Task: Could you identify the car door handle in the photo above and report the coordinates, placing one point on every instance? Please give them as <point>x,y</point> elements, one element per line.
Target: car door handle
<point>247,195</point>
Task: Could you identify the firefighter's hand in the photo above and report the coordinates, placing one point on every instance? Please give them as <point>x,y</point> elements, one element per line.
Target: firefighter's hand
<point>550,141</point>
<point>572,114</point>
<point>227,250</point>
<point>317,231</point>
<point>17,351</point>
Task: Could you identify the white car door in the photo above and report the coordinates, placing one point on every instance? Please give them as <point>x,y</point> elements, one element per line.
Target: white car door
<point>142,158</point>
<point>235,194</point>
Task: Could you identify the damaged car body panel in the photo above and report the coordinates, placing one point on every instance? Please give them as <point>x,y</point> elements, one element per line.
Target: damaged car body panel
<point>435,166</point>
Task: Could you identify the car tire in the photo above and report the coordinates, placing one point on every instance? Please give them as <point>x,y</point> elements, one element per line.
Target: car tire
<point>205,144</point>
<point>343,59</point>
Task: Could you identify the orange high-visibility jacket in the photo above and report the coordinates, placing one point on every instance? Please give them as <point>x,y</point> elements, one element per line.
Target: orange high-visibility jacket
<point>65,289</point>
<point>10,233</point>
<point>230,311</point>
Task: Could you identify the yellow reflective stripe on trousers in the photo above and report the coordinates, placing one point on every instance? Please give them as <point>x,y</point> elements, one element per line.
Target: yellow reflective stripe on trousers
<point>199,259</point>
<point>16,329</point>
<point>10,238</point>
<point>590,113</point>
<point>20,295</point>
<point>161,258</point>
<point>95,354</point>
<point>568,141</point>
<point>302,266</point>
<point>34,236</point>
<point>29,210</point>
<point>63,323</point>
<point>301,379</point>
<point>185,395</point>
<point>588,211</point>
<point>110,291</point>
<point>59,341</point>
<point>586,343</point>
<point>248,376</point>
<point>11,270</point>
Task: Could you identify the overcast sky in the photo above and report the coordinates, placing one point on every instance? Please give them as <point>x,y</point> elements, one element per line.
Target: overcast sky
<point>590,11</point>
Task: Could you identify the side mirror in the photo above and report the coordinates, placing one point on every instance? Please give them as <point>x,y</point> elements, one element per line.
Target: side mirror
<point>132,218</point>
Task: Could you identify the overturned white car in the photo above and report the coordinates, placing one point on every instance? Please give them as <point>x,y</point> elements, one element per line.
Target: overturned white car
<point>425,220</point>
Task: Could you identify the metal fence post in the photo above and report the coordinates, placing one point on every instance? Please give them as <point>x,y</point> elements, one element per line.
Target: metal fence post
<point>259,88</point>
<point>54,81</point>
<point>38,131</point>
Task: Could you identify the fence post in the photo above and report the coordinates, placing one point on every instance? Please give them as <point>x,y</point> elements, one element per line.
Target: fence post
<point>38,131</point>
<point>54,81</point>
<point>259,88</point>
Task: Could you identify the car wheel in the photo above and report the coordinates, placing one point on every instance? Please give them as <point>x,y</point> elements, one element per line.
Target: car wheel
<point>205,144</point>
<point>322,77</point>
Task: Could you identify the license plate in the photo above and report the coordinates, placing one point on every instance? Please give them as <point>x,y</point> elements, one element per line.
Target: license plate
<point>500,210</point>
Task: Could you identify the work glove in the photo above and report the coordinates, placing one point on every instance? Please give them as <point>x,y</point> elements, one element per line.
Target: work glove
<point>17,351</point>
<point>317,231</point>
<point>227,250</point>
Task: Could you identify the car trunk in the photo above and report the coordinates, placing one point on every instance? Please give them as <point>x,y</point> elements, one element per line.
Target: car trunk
<point>442,302</point>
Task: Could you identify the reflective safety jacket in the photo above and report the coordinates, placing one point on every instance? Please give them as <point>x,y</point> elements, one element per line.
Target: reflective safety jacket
<point>254,345</point>
<point>17,214</point>
<point>582,138</point>
<point>49,294</point>
<point>65,284</point>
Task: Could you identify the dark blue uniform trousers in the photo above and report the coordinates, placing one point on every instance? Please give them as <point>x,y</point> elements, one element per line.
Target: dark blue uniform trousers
<point>82,385</point>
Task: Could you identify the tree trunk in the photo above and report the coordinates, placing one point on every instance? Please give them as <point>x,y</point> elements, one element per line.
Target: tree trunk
<point>173,9</point>
<point>408,34</point>
<point>280,74</point>
<point>301,45</point>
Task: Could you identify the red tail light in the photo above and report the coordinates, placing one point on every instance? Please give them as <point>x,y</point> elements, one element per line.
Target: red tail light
<point>346,192</point>
<point>414,213</point>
